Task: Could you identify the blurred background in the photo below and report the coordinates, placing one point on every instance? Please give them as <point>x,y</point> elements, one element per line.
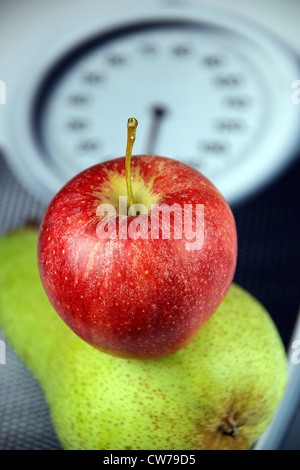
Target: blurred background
<point>211,83</point>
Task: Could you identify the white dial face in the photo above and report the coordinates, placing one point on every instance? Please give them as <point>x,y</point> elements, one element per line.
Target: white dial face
<point>209,89</point>
<point>197,93</point>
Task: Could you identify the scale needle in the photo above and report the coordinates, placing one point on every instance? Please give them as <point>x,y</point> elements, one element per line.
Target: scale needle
<point>158,114</point>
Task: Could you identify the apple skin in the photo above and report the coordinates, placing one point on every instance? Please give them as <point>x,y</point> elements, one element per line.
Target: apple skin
<point>135,298</point>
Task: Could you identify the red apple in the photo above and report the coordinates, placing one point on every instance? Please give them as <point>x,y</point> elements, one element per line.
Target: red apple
<point>123,286</point>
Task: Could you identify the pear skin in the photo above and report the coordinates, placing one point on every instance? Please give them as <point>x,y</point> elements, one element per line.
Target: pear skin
<point>218,392</point>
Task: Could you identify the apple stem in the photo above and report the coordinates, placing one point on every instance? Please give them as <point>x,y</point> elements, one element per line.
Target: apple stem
<point>131,133</point>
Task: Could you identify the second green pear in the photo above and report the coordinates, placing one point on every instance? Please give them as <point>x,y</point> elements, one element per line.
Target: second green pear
<point>219,392</point>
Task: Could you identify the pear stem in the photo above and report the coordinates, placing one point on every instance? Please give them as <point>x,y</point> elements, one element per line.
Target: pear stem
<point>131,133</point>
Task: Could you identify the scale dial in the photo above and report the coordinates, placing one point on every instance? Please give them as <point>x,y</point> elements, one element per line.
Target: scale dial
<point>207,88</point>
<point>197,99</point>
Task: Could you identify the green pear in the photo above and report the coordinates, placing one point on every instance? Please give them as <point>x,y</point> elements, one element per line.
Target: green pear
<point>219,392</point>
